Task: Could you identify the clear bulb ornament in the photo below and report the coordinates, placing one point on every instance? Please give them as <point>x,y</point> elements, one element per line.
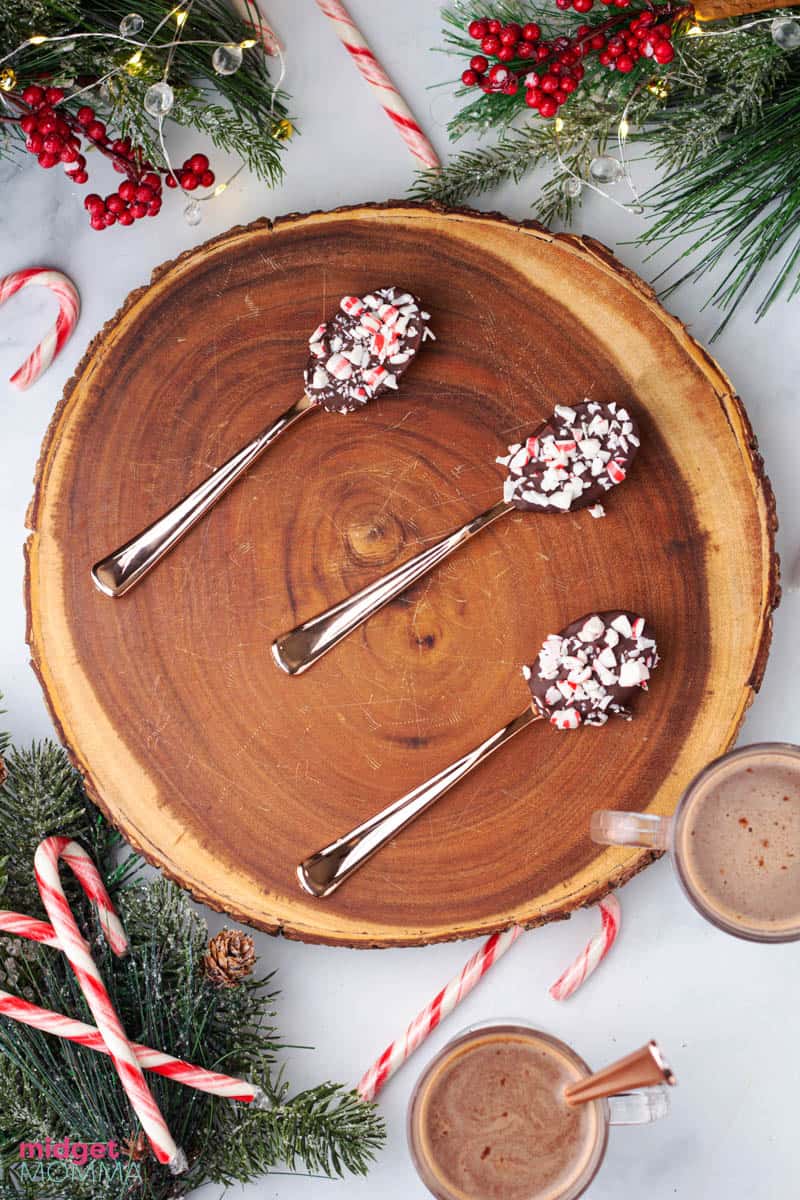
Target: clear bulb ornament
<point>227,58</point>
<point>131,25</point>
<point>605,169</point>
<point>785,33</point>
<point>192,214</point>
<point>159,99</point>
<point>572,187</point>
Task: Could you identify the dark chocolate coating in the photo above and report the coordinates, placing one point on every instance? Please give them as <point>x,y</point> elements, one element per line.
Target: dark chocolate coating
<point>364,348</point>
<point>599,665</point>
<point>572,459</point>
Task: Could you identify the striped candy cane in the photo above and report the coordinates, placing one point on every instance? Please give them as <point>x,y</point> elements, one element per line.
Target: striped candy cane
<point>69,308</point>
<point>390,99</point>
<point>398,1051</point>
<point>593,952</point>
<point>149,1060</point>
<point>45,864</point>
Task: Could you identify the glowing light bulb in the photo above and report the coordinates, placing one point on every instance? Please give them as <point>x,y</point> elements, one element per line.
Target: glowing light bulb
<point>181,17</point>
<point>248,43</point>
<point>559,124</point>
<point>219,189</point>
<point>624,127</point>
<point>694,31</point>
<point>36,39</point>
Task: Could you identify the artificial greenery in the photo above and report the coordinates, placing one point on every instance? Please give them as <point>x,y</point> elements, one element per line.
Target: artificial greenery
<point>722,122</point>
<point>241,113</point>
<point>52,1088</point>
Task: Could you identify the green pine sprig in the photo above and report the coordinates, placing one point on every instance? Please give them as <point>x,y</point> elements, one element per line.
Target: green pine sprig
<point>722,123</point>
<point>52,1088</point>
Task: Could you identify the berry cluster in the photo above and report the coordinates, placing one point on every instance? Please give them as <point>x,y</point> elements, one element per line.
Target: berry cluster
<point>54,134</point>
<point>551,71</point>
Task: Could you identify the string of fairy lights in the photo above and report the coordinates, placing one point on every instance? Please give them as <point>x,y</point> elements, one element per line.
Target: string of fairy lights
<point>608,170</point>
<point>159,98</point>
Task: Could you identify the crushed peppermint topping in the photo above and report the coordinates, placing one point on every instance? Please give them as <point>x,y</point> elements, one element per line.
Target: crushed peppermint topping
<point>573,458</point>
<point>592,670</point>
<point>364,348</point>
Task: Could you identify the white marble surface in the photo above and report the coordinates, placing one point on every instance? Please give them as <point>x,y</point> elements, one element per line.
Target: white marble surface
<point>726,1011</point>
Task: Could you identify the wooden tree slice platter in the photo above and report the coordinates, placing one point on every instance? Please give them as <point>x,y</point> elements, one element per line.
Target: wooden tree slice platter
<point>225,772</point>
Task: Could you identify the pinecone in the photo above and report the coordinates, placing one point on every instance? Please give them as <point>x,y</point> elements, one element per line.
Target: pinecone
<point>136,1147</point>
<point>231,958</point>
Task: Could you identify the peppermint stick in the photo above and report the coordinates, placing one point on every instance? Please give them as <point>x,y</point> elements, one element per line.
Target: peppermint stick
<point>593,952</point>
<point>74,946</point>
<point>390,99</point>
<point>52,343</point>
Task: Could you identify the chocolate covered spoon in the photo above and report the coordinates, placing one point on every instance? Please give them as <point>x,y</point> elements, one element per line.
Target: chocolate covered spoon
<point>572,459</point>
<point>362,351</point>
<point>582,676</point>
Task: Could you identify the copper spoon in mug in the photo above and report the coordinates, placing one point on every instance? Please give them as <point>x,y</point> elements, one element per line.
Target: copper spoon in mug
<point>362,351</point>
<point>571,460</point>
<point>581,676</point>
<point>644,1068</point>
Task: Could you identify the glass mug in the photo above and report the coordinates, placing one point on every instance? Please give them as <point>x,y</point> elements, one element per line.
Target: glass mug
<point>487,1119</point>
<point>734,841</point>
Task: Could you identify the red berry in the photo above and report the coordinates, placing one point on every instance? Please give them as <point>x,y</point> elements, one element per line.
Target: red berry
<point>531,32</point>
<point>542,53</point>
<point>93,202</point>
<point>511,86</point>
<point>109,218</point>
<point>479,63</point>
<point>525,49</point>
<point>126,217</point>
<point>98,222</point>
<point>139,210</point>
<point>559,96</point>
<point>491,44</point>
<point>598,42</point>
<point>53,95</point>
<point>154,208</point>
<point>605,59</point>
<point>663,52</point>
<point>127,190</point>
<point>34,142</point>
<point>578,73</point>
<point>506,53</point>
<point>115,203</point>
<point>188,181</point>
<point>46,123</point>
<point>549,83</point>
<point>170,181</point>
<point>568,85</point>
<point>564,4</point>
<point>582,6</point>
<point>469,78</point>
<point>80,176</point>
<point>53,144</point>
<point>478,29</point>
<point>122,146</point>
<point>28,123</point>
<point>548,107</point>
<point>494,26</point>
<point>47,160</point>
<point>85,115</point>
<point>510,35</point>
<point>96,131</point>
<point>207,178</point>
<point>33,95</point>
<point>534,97</point>
<point>625,63</point>
<point>119,167</point>
<point>531,80</point>
<point>198,163</point>
<point>144,194</point>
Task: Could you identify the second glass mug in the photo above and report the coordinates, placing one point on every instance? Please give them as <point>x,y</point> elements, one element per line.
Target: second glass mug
<point>675,835</point>
<point>635,1107</point>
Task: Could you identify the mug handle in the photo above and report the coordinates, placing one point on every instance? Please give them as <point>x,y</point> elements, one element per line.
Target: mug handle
<point>609,828</point>
<point>640,1107</point>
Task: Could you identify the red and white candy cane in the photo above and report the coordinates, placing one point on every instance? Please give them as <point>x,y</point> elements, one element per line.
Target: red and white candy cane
<point>390,99</point>
<point>426,1021</point>
<point>473,971</point>
<point>74,946</point>
<point>202,1080</point>
<point>593,952</point>
<point>69,307</point>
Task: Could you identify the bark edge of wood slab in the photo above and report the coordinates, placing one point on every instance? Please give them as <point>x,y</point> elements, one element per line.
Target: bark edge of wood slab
<point>224,772</point>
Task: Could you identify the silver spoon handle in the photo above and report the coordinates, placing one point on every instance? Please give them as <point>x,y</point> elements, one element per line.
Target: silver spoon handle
<point>120,571</point>
<point>296,651</point>
<point>324,871</point>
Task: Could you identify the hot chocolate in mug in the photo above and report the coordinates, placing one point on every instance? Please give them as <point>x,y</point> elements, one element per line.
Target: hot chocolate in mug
<point>734,841</point>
